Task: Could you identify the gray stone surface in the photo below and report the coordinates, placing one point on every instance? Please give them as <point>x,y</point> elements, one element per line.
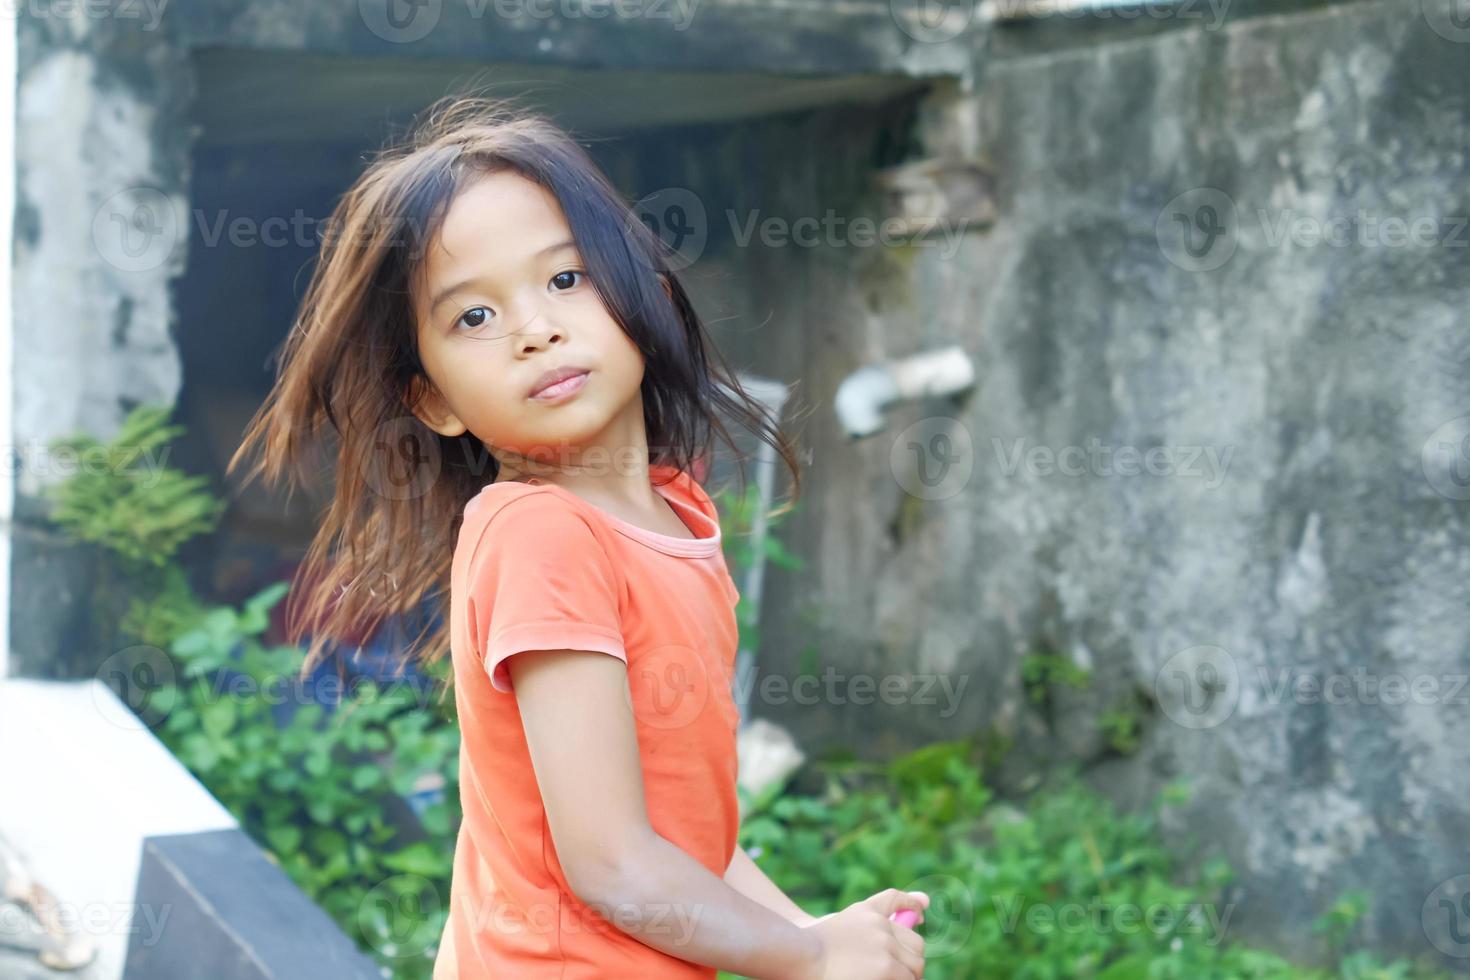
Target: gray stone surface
<point>832,38</point>
<point>231,906</point>
<point>1298,391</point>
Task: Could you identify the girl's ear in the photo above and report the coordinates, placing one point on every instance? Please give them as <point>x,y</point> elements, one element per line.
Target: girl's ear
<point>424,400</point>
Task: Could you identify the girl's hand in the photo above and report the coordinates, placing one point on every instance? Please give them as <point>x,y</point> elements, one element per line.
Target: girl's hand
<point>862,942</point>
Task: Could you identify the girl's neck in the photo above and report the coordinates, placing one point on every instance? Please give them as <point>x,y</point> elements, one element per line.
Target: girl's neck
<point>628,496</point>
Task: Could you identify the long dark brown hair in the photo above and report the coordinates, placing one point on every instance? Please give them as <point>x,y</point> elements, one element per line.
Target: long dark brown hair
<point>349,370</point>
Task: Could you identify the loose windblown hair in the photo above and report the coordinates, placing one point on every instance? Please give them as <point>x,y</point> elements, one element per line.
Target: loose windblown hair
<point>350,369</point>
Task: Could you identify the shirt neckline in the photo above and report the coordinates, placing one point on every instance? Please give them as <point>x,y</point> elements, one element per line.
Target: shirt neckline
<point>667,543</point>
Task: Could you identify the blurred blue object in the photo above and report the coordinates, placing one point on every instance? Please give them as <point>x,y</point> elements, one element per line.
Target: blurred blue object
<point>380,659</point>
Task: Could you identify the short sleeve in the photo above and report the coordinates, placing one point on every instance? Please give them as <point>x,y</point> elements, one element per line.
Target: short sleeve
<point>539,579</point>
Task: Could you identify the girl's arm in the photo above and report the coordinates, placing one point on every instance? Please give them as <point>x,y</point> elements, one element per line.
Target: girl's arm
<point>747,878</point>
<point>583,742</point>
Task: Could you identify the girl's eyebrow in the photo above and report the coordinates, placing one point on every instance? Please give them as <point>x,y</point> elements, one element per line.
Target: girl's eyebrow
<point>444,294</point>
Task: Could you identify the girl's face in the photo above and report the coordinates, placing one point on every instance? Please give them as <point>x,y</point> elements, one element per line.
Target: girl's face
<point>505,299</point>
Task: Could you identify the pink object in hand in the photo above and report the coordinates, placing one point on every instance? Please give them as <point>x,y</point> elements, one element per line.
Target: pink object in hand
<point>905,917</point>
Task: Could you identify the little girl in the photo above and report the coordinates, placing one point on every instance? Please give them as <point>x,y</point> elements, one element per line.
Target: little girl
<point>521,394</point>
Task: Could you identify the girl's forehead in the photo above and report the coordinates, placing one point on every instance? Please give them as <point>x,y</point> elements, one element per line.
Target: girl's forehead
<point>496,220</point>
<point>504,198</point>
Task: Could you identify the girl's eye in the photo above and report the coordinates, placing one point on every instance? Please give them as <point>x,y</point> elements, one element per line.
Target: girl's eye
<point>477,316</point>
<point>471,320</point>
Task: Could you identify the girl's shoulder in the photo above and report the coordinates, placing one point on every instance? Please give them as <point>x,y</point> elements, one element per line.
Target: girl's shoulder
<point>540,525</point>
<point>496,497</point>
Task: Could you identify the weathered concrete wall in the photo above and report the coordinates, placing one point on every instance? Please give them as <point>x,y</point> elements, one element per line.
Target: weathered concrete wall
<point>1296,369</point>
<point>101,148</point>
<point>823,39</point>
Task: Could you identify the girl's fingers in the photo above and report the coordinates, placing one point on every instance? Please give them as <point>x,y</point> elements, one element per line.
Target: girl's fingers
<point>892,900</point>
<point>912,957</point>
<point>909,939</point>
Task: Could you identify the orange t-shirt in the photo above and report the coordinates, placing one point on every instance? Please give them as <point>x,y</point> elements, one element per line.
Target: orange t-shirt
<point>537,568</point>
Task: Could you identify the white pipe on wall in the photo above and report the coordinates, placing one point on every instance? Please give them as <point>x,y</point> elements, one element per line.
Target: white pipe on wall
<point>865,394</point>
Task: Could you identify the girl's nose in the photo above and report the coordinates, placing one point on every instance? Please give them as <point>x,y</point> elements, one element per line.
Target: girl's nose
<point>538,329</point>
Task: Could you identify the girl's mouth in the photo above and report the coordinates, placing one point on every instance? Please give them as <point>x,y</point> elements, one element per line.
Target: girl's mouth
<point>562,389</point>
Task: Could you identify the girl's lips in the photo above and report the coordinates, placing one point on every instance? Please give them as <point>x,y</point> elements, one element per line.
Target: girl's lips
<point>562,389</point>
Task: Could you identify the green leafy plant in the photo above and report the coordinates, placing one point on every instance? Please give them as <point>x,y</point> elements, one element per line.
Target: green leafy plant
<point>1123,725</point>
<point>1058,885</point>
<point>1041,671</point>
<point>123,498</point>
<point>1341,919</point>
<point>737,524</point>
<point>315,788</point>
<point>1122,730</point>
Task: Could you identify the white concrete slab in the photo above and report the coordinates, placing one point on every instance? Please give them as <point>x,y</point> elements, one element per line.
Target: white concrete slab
<point>82,782</point>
